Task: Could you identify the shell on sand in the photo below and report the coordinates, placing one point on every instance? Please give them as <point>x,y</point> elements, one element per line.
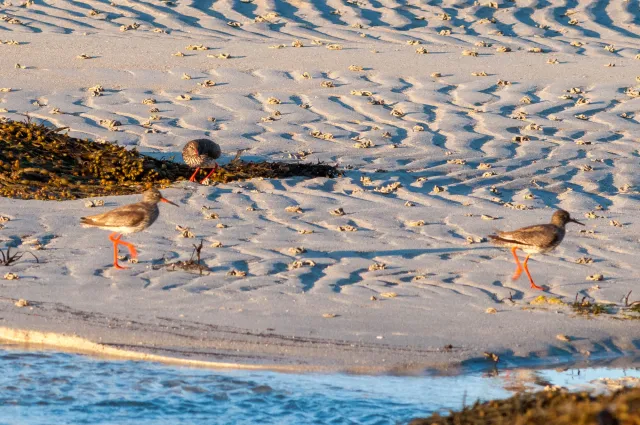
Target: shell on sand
<point>442,122</point>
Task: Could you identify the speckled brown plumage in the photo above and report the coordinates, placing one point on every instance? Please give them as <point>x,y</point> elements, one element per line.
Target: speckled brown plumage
<point>201,153</point>
<point>540,238</point>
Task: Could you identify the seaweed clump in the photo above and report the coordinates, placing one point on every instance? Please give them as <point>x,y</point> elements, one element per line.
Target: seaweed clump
<point>557,407</point>
<point>586,307</point>
<point>242,170</point>
<point>194,264</point>
<point>37,162</point>
<point>8,259</point>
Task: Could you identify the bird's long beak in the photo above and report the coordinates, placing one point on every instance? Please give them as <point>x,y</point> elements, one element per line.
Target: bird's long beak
<point>573,220</point>
<point>169,202</point>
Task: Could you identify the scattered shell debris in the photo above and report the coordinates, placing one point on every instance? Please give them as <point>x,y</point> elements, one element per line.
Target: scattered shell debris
<point>301,263</point>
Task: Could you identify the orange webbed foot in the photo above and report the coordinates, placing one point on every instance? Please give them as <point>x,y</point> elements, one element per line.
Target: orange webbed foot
<point>119,267</point>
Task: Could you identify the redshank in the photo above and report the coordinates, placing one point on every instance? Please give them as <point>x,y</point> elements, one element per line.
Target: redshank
<point>201,153</point>
<point>540,238</point>
<point>130,218</point>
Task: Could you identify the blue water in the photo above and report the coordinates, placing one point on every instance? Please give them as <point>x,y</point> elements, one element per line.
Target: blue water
<point>42,387</point>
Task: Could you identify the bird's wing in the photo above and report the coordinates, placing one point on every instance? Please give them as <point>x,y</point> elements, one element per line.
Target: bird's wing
<point>190,148</point>
<point>125,216</point>
<point>544,234</point>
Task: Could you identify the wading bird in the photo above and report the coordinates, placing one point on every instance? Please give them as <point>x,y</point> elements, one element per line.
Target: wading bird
<point>130,218</point>
<point>538,239</point>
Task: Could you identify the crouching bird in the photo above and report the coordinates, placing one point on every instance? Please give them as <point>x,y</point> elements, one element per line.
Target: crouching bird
<point>201,153</point>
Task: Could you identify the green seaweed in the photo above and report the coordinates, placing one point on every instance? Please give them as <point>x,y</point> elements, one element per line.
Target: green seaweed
<point>586,307</point>
<point>37,162</point>
<point>557,407</point>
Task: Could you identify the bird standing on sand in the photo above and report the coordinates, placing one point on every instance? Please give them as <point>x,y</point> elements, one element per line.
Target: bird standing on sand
<point>201,153</point>
<point>540,238</point>
<point>130,218</point>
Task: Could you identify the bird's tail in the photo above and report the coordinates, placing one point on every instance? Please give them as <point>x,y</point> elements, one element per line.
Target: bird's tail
<point>502,241</point>
<point>86,220</point>
<point>498,240</point>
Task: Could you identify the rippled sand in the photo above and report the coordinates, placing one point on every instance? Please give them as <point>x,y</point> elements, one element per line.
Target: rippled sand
<point>451,120</point>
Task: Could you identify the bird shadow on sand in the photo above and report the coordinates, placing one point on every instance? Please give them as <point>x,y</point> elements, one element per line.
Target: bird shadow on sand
<point>404,253</point>
<point>604,354</point>
<point>310,279</point>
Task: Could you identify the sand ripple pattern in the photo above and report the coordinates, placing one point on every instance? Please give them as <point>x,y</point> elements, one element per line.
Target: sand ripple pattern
<point>431,143</point>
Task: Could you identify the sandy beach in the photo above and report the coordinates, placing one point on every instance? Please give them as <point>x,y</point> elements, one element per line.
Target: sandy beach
<point>450,122</point>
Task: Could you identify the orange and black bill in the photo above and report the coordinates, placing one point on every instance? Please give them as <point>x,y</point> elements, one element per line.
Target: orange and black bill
<point>169,202</point>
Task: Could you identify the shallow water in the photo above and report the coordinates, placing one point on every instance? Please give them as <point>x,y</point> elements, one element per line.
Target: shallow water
<point>38,386</point>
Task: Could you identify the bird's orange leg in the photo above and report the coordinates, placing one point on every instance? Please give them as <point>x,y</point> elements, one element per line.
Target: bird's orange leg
<point>116,241</point>
<point>526,270</point>
<point>130,247</point>
<point>518,272</point>
<point>193,177</point>
<point>209,175</point>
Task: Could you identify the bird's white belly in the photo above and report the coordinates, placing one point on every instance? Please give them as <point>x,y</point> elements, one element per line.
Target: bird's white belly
<point>538,250</point>
<point>123,230</point>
